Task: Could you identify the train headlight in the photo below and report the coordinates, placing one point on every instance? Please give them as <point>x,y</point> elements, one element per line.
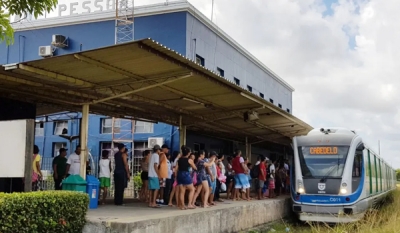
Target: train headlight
<point>300,188</point>
<point>343,190</point>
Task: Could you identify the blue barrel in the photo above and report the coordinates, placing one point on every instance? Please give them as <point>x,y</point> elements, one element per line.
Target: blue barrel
<point>93,188</point>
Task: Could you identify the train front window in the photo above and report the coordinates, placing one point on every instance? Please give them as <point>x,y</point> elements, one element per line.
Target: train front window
<point>322,161</point>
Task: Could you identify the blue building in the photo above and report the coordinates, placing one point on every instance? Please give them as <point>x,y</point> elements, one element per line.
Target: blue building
<point>177,25</point>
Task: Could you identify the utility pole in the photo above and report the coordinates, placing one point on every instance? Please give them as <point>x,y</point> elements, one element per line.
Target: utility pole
<point>379,147</point>
<point>212,10</point>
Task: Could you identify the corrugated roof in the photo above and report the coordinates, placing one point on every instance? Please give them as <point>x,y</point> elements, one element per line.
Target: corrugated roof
<point>145,79</point>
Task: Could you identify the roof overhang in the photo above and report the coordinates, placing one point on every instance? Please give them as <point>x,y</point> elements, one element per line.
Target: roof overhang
<point>147,80</point>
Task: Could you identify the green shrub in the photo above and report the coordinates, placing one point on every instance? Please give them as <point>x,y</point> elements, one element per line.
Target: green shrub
<point>44,212</point>
<point>137,181</point>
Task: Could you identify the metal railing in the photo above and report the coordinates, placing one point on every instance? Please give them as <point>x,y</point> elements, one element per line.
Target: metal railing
<point>47,182</point>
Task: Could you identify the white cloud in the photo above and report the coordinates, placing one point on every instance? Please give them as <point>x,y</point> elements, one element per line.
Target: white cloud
<point>335,85</point>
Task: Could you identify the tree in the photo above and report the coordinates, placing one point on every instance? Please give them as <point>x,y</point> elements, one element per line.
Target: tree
<point>398,174</point>
<point>20,7</point>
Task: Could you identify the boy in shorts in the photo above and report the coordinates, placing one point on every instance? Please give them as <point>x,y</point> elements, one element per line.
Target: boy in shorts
<point>105,173</point>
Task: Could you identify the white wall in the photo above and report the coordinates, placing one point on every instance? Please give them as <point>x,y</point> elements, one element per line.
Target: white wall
<point>218,53</point>
<point>12,148</point>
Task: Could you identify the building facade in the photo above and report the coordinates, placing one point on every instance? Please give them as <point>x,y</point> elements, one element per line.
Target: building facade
<point>177,25</point>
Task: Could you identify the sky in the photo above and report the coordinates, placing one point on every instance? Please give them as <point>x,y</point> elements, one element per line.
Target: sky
<point>340,55</point>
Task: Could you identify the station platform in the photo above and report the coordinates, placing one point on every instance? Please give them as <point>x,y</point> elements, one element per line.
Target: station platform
<point>227,216</point>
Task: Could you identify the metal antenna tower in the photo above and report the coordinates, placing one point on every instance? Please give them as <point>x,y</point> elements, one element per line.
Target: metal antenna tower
<point>124,26</point>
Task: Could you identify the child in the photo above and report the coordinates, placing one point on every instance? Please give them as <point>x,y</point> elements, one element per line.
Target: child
<point>105,173</point>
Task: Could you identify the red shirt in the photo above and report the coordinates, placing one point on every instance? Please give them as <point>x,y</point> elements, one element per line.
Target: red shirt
<point>263,169</point>
<point>237,166</point>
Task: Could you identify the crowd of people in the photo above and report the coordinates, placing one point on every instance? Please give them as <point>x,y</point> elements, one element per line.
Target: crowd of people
<point>189,180</point>
<point>184,179</point>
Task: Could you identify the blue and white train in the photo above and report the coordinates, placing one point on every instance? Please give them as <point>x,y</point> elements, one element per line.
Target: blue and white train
<point>335,177</point>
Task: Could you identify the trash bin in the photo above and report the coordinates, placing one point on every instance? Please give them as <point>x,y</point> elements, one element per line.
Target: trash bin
<point>93,189</point>
<point>74,183</point>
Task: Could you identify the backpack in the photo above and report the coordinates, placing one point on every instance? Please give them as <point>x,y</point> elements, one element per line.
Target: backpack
<point>255,171</point>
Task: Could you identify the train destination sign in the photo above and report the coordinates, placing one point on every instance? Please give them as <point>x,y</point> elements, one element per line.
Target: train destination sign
<point>323,150</point>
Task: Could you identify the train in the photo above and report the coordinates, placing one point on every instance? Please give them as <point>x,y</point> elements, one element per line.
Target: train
<point>335,177</point>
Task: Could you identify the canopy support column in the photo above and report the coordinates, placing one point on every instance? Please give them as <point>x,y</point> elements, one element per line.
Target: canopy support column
<point>84,139</point>
<point>248,150</point>
<point>182,133</point>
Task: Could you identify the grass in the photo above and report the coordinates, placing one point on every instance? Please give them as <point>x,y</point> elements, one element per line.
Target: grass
<point>383,220</point>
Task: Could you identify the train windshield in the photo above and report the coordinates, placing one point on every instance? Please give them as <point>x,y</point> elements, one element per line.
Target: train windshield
<point>322,161</point>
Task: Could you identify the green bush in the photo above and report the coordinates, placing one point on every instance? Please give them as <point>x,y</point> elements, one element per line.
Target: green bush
<point>44,212</point>
<point>137,181</point>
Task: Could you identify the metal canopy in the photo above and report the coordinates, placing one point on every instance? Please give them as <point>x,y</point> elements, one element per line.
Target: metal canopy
<point>145,79</point>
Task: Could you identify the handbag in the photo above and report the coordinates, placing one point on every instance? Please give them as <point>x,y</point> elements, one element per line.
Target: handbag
<point>223,187</point>
<point>194,178</point>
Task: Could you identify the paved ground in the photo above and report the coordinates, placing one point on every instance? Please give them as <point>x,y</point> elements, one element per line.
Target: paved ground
<point>134,211</point>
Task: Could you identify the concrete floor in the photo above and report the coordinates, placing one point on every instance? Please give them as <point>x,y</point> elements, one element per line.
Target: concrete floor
<point>138,217</point>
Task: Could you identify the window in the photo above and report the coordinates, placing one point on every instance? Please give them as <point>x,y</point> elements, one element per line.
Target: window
<point>249,88</point>
<point>357,167</point>
<point>261,95</point>
<point>57,146</point>
<point>220,72</point>
<point>107,146</point>
<point>39,129</point>
<point>357,164</point>
<point>280,105</point>
<point>138,148</point>
<point>199,60</point>
<point>271,100</point>
<point>322,166</point>
<point>107,125</point>
<point>59,126</point>
<point>143,127</point>
<point>198,147</point>
<point>237,81</point>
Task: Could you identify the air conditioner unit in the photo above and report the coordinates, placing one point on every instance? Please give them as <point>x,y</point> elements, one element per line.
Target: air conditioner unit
<point>250,116</point>
<point>155,141</point>
<point>59,41</point>
<point>45,51</point>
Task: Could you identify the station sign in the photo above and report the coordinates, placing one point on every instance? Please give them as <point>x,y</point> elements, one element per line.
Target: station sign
<point>66,8</point>
<point>82,7</point>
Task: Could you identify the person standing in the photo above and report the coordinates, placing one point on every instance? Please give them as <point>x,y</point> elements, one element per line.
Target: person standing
<point>74,162</point>
<point>271,179</point>
<point>37,173</point>
<point>213,176</point>
<point>60,168</point>
<point>154,180</point>
<point>240,169</point>
<point>168,181</point>
<point>262,176</point>
<point>185,181</point>
<point>163,174</point>
<point>105,173</point>
<point>121,174</point>
<point>144,192</point>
